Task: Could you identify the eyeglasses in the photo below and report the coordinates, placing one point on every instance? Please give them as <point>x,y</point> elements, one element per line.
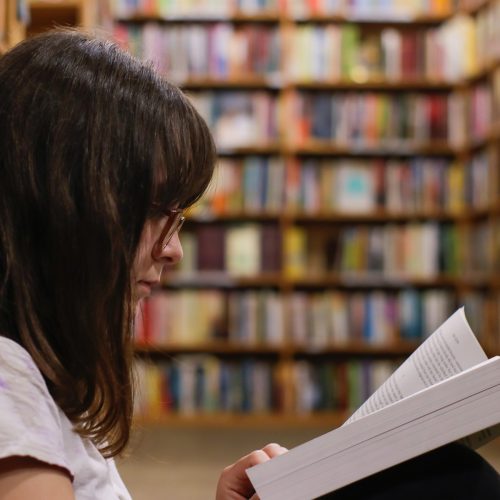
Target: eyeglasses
<point>173,224</point>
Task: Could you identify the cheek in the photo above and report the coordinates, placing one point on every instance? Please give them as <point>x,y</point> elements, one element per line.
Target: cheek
<point>140,260</point>
<point>143,255</point>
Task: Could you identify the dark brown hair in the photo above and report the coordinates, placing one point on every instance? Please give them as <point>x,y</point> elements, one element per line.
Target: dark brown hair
<point>90,139</point>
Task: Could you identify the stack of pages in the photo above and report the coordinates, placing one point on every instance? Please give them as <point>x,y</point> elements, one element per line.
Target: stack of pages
<point>447,390</point>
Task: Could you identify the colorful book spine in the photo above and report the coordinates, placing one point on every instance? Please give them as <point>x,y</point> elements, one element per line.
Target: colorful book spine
<point>249,185</point>
<point>239,119</point>
<point>342,53</point>
<point>322,386</point>
<point>378,251</point>
<point>370,119</point>
<point>269,185</point>
<point>322,320</point>
<point>235,249</point>
<point>245,318</point>
<point>194,384</point>
<point>218,51</point>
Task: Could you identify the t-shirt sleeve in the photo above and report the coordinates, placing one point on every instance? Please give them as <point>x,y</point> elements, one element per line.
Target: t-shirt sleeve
<point>30,422</point>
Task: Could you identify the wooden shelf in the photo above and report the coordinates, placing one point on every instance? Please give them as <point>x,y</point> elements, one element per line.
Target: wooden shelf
<point>213,347</point>
<point>230,17</point>
<point>271,148</point>
<point>402,21</point>
<point>55,4</point>
<point>383,216</point>
<point>398,348</point>
<point>327,279</point>
<point>232,82</point>
<point>376,216</point>
<point>379,280</point>
<point>475,7</point>
<point>237,217</point>
<point>328,148</point>
<point>221,279</point>
<point>46,14</point>
<point>315,147</point>
<point>277,17</point>
<point>278,82</point>
<point>421,85</point>
<point>254,420</point>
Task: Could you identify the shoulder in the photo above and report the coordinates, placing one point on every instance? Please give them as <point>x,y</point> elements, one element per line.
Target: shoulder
<point>15,361</point>
<point>22,385</point>
<point>33,426</point>
<point>30,420</point>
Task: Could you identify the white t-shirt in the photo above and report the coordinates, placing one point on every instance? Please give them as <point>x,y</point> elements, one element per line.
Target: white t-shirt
<point>31,424</point>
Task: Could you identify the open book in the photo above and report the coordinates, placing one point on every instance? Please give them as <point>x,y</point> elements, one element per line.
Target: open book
<point>447,390</point>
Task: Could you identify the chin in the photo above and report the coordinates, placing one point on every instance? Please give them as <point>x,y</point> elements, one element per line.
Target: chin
<point>142,290</point>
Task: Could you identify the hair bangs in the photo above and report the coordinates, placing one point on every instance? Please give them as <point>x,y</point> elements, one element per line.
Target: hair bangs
<point>186,157</point>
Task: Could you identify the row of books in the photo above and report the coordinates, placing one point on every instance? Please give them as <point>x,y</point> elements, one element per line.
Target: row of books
<point>377,119</point>
<point>354,119</point>
<point>236,249</point>
<point>318,52</point>
<point>203,384</point>
<point>193,384</point>
<point>239,119</point>
<point>390,9</point>
<point>495,84</point>
<point>393,250</point>
<point>478,255</point>
<point>246,318</point>
<point>320,320</point>
<point>383,251</point>
<point>418,185</point>
<point>258,184</point>
<point>327,386</point>
<point>197,51</point>
<point>333,52</point>
<point>312,321</point>
<point>371,9</point>
<point>478,114</point>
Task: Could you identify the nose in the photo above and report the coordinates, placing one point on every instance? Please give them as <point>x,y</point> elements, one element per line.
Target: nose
<point>172,253</point>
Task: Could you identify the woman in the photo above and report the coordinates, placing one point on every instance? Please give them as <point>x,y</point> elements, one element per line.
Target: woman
<point>99,156</point>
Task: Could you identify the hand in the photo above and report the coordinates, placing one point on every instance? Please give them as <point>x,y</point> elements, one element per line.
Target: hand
<point>234,483</point>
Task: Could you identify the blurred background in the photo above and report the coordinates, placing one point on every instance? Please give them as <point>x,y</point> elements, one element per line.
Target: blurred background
<point>354,208</point>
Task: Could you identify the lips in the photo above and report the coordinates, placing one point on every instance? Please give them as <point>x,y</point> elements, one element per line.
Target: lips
<point>151,284</point>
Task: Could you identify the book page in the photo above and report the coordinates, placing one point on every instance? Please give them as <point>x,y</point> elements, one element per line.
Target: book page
<point>451,349</point>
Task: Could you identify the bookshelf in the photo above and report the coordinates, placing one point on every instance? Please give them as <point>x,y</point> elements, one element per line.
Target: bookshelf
<point>336,239</point>
<point>29,17</point>
<point>46,13</point>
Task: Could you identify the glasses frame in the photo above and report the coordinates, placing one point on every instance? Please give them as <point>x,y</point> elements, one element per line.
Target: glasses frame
<point>173,224</point>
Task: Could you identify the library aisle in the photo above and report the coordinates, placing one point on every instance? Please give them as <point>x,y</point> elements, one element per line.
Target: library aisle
<point>185,463</point>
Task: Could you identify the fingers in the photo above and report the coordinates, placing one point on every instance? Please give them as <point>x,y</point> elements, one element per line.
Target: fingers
<point>269,451</point>
<point>234,483</point>
<point>274,449</point>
